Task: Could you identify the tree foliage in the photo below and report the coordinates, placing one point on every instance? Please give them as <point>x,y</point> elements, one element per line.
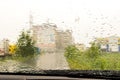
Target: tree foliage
<point>71,51</point>
<point>92,59</point>
<point>94,51</point>
<point>25,45</point>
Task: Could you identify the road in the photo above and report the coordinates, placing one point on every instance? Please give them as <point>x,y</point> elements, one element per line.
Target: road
<point>52,61</point>
<point>46,61</point>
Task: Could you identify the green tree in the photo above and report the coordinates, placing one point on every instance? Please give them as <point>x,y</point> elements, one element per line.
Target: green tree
<point>25,45</point>
<point>94,51</point>
<point>71,51</point>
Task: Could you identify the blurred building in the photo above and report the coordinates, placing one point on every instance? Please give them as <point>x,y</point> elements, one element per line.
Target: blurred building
<point>113,44</point>
<point>109,44</point>
<point>103,43</point>
<point>4,47</point>
<point>44,36</point>
<point>48,38</point>
<point>63,39</point>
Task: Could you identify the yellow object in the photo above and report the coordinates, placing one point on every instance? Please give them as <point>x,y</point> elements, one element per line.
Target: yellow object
<point>12,49</point>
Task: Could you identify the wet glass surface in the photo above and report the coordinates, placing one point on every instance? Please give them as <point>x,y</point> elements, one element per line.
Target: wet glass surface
<point>59,35</point>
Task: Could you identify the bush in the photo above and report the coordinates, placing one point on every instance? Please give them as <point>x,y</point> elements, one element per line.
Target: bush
<point>100,64</point>
<point>71,51</point>
<point>76,59</point>
<point>92,59</point>
<point>94,51</point>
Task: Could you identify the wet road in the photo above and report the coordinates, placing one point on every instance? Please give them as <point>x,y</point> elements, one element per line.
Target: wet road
<point>46,61</point>
<point>52,61</point>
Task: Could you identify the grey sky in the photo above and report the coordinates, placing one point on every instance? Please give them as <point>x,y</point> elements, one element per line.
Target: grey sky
<point>97,18</point>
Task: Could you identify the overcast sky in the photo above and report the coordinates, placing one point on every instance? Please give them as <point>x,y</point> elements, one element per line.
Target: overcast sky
<point>87,18</point>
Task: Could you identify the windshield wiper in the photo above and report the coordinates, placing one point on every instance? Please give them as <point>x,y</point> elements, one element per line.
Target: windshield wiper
<point>97,74</point>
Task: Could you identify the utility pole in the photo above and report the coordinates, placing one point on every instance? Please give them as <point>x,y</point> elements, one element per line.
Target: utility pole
<point>30,24</point>
<point>30,21</point>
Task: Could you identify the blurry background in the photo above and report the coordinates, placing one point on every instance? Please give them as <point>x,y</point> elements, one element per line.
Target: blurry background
<point>87,18</point>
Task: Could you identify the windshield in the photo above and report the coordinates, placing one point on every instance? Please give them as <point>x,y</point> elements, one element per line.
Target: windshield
<point>59,35</point>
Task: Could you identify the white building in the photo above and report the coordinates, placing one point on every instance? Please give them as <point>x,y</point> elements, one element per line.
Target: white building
<point>44,35</point>
<point>49,39</point>
<point>110,44</point>
<point>4,47</point>
<point>113,44</point>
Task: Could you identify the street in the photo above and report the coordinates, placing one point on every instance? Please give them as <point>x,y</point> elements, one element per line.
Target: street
<point>52,61</point>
